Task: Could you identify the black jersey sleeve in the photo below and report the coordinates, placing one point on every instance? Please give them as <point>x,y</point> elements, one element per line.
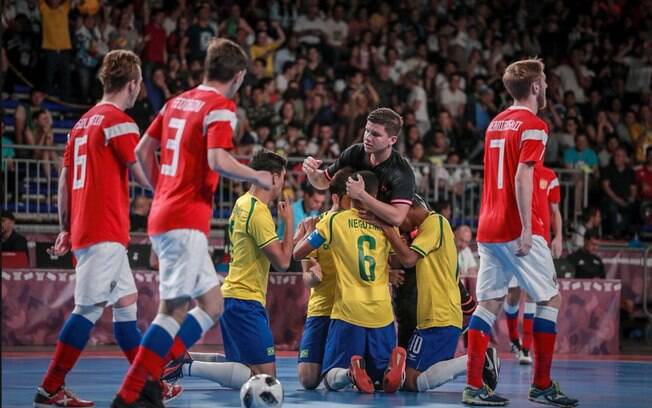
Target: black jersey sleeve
<point>402,183</point>
<point>353,157</point>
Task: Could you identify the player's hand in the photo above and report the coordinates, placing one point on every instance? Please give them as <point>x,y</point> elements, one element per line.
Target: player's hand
<point>310,224</point>
<point>355,188</point>
<point>524,243</point>
<point>311,165</point>
<point>61,245</point>
<point>264,179</point>
<point>396,277</point>
<point>285,212</point>
<point>315,269</point>
<point>556,247</point>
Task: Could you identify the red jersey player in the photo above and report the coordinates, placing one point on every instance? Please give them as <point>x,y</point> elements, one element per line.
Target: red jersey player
<point>193,130</point>
<point>546,187</point>
<point>511,236</point>
<point>94,218</point>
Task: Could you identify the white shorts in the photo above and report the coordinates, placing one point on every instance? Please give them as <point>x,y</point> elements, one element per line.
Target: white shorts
<point>102,274</point>
<point>534,273</point>
<point>185,268</point>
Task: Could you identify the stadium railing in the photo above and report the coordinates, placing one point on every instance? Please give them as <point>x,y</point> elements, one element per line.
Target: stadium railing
<point>31,193</point>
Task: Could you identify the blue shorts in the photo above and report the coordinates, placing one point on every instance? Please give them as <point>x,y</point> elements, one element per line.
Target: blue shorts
<point>246,333</point>
<point>313,340</point>
<point>346,340</point>
<point>430,346</point>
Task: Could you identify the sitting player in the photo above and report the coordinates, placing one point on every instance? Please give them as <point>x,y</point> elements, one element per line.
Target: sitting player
<point>254,245</point>
<point>360,347</point>
<point>319,276</point>
<point>546,186</point>
<point>431,349</point>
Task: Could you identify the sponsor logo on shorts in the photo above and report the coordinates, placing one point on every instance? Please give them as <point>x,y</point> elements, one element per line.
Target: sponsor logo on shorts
<point>270,351</point>
<point>304,353</point>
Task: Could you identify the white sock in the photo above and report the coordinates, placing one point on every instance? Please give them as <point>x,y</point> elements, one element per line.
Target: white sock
<point>230,375</point>
<point>209,357</point>
<point>441,373</point>
<point>337,378</point>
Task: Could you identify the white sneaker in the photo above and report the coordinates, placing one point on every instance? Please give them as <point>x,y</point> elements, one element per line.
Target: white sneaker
<point>524,357</point>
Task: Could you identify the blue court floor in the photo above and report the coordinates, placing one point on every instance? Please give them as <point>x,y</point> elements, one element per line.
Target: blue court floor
<point>595,383</point>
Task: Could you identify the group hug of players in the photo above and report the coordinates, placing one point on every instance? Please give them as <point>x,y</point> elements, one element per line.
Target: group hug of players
<point>376,222</point>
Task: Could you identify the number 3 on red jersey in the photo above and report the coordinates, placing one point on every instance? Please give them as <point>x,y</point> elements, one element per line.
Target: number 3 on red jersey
<point>173,144</point>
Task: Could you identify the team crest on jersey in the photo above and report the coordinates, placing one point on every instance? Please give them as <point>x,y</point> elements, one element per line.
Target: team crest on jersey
<point>543,184</point>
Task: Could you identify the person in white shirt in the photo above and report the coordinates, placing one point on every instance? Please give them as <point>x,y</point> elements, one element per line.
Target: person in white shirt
<point>418,101</point>
<point>453,98</point>
<point>466,262</point>
<point>310,26</point>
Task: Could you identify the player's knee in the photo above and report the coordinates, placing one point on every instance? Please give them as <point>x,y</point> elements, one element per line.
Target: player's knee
<point>309,377</point>
<point>411,381</point>
<point>212,303</point>
<point>125,313</point>
<point>126,301</point>
<point>90,313</point>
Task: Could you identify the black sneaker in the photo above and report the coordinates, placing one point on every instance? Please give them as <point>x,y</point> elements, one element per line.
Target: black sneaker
<point>552,396</point>
<point>173,371</point>
<point>152,394</point>
<point>482,397</point>
<point>491,368</point>
<point>516,348</point>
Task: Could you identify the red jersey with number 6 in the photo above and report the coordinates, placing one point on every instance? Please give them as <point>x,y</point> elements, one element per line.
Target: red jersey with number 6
<point>100,147</point>
<point>515,136</point>
<point>187,126</point>
<point>546,186</point>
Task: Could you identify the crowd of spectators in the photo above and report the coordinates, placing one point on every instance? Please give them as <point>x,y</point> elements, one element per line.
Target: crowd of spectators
<point>318,67</point>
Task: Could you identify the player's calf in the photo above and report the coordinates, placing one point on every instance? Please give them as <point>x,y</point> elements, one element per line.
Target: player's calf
<point>309,375</point>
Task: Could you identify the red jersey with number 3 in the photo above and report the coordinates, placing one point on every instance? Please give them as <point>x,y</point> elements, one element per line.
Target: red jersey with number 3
<point>187,126</point>
<point>546,186</point>
<point>100,147</point>
<point>515,136</point>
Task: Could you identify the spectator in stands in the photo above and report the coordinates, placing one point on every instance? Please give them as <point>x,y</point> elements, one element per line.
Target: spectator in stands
<point>324,145</point>
<point>308,206</point>
<point>561,140</point>
<point>12,241</point>
<point>22,45</point>
<point>23,122</point>
<point>420,167</point>
<point>8,164</point>
<point>155,42</point>
<point>642,133</point>
<point>200,33</point>
<point>234,22</point>
<point>644,177</point>
<point>452,97</point>
<point>310,26</point>
<point>157,89</point>
<point>43,136</point>
<point>57,46</point>
<point>581,156</point>
<point>466,262</point>
<point>265,47</point>
<point>142,112</point>
<point>178,40</point>
<point>608,150</point>
<point>86,41</point>
<point>591,222</point>
<point>140,206</point>
<point>619,203</point>
<point>125,36</point>
<point>445,208</point>
<point>284,11</point>
<point>289,53</point>
<point>418,102</point>
<point>586,262</point>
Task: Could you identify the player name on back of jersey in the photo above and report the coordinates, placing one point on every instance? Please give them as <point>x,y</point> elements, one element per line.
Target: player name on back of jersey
<point>499,125</point>
<point>186,104</point>
<point>83,123</point>
<point>356,223</point>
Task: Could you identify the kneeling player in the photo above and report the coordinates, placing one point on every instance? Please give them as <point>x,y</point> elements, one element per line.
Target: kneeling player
<point>361,344</point>
<point>431,349</point>
<point>319,276</point>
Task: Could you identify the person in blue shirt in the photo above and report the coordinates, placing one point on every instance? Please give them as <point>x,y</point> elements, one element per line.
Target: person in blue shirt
<point>308,206</point>
<point>580,156</point>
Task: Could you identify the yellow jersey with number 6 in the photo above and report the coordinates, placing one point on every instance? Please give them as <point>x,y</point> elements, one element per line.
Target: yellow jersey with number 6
<point>360,252</point>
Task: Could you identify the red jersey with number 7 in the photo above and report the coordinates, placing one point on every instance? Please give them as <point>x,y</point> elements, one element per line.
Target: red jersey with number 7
<point>515,136</point>
<point>187,126</point>
<point>100,147</point>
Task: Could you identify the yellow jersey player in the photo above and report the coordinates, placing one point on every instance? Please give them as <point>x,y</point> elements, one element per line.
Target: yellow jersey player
<point>319,276</point>
<point>361,343</point>
<point>431,349</point>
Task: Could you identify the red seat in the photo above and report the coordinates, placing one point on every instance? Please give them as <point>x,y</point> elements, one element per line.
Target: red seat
<point>15,260</point>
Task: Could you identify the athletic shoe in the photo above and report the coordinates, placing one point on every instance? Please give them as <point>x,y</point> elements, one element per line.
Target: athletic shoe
<point>491,368</point>
<point>524,357</point>
<point>516,348</point>
<point>170,391</point>
<point>395,373</point>
<point>551,396</point>
<point>482,396</point>
<point>358,375</point>
<point>152,394</point>
<point>173,371</point>
<point>61,398</point>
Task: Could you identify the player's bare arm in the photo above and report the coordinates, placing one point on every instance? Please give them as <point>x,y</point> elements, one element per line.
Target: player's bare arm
<point>280,253</point>
<point>394,214</point>
<point>312,275</point>
<point>223,162</point>
<point>524,176</point>
<point>146,156</point>
<point>407,257</point>
<point>138,174</point>
<point>316,177</point>
<point>62,244</point>
<point>556,245</point>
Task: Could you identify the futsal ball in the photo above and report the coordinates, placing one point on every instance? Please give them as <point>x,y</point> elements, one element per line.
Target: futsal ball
<point>260,391</point>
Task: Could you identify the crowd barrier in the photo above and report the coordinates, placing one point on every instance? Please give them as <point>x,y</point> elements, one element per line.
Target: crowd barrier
<point>35,304</point>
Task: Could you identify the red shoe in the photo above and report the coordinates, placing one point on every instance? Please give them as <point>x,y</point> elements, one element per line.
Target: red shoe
<point>170,391</point>
<point>395,374</point>
<point>359,377</point>
<point>61,398</point>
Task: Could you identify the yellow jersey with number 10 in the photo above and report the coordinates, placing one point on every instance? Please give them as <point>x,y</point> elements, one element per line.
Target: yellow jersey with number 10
<point>360,253</point>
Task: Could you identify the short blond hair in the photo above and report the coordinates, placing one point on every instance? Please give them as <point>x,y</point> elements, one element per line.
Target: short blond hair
<point>520,75</point>
<point>118,68</point>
